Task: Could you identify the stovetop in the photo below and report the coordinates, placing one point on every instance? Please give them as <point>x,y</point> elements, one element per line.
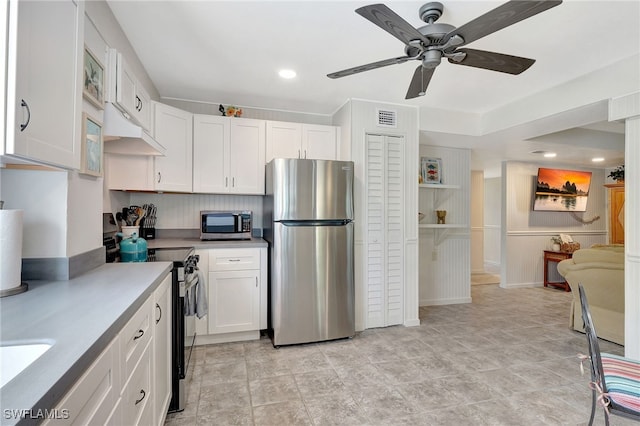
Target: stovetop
<point>175,255</point>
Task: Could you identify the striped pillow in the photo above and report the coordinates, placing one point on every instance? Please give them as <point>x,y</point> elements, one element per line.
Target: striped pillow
<point>622,376</point>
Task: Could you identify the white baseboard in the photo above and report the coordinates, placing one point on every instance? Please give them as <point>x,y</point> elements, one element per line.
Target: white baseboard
<point>521,285</point>
<point>435,302</point>
<point>241,336</point>
<point>412,323</point>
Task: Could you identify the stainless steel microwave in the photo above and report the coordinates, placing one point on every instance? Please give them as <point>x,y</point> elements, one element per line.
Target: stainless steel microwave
<point>225,225</point>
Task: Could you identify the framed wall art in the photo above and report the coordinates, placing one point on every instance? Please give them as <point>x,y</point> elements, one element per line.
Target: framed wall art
<point>93,79</point>
<point>92,146</point>
<point>431,170</point>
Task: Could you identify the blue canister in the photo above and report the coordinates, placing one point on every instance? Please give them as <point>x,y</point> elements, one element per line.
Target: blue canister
<point>133,249</point>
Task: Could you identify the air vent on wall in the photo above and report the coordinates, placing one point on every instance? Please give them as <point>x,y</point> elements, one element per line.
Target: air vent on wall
<point>386,118</point>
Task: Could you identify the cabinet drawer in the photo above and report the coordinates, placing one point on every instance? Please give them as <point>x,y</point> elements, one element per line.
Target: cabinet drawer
<point>234,259</point>
<point>93,396</point>
<point>137,396</point>
<point>134,338</point>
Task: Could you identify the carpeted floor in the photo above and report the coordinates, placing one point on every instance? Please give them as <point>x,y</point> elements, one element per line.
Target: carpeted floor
<point>482,278</point>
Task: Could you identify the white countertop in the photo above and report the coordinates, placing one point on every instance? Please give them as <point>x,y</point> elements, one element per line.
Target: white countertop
<point>79,317</point>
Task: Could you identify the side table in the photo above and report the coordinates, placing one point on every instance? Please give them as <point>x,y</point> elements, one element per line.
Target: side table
<point>555,256</point>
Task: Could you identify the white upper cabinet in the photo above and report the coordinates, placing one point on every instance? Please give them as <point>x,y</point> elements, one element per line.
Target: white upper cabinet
<point>44,81</point>
<point>129,172</point>
<point>210,153</point>
<point>295,140</point>
<point>319,142</point>
<point>229,155</point>
<point>283,140</point>
<point>127,93</point>
<point>246,156</point>
<point>174,131</point>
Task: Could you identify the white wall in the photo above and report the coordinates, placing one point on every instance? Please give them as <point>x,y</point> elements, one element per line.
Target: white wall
<point>526,233</point>
<point>110,31</point>
<point>42,196</point>
<point>84,213</point>
<point>492,207</point>
<point>211,108</point>
<point>445,268</point>
<point>182,211</point>
<point>360,116</point>
<point>477,221</point>
<point>628,108</point>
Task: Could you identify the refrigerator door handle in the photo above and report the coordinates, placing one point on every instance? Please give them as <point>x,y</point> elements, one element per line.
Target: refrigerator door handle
<point>332,222</point>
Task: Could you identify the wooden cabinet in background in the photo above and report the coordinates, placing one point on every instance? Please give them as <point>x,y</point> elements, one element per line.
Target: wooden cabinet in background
<point>616,213</point>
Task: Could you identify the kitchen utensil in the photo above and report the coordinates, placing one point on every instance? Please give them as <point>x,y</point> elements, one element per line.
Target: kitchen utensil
<point>128,231</point>
<point>141,216</point>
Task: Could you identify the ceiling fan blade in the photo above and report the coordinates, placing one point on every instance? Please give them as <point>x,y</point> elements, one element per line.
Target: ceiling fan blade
<point>419,82</point>
<point>368,67</point>
<point>501,17</point>
<point>389,21</point>
<point>493,61</point>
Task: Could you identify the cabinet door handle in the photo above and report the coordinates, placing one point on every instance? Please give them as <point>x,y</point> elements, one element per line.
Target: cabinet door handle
<point>159,309</point>
<point>159,177</point>
<point>139,335</point>
<point>305,153</point>
<point>234,260</point>
<point>233,182</point>
<point>26,123</point>
<point>226,182</point>
<point>299,154</point>
<point>144,394</point>
<point>256,282</point>
<point>138,103</point>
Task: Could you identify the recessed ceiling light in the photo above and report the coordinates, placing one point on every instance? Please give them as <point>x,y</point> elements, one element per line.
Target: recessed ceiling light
<point>288,74</point>
<point>549,154</point>
<point>597,159</point>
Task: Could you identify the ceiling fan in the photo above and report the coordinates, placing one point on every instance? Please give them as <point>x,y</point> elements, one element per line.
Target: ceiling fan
<point>433,41</point>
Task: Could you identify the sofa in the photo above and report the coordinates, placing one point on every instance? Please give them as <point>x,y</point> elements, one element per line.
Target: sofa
<point>600,270</point>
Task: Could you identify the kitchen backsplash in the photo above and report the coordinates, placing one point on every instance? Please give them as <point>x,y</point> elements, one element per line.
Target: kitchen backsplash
<point>181,211</point>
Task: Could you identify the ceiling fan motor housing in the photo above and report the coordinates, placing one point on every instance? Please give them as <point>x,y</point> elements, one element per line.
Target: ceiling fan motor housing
<point>431,58</point>
<point>430,12</point>
<point>435,32</point>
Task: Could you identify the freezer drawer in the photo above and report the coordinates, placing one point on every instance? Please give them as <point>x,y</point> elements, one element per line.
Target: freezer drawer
<point>312,286</point>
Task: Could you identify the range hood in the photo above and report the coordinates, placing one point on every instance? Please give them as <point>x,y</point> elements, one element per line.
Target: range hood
<point>122,136</point>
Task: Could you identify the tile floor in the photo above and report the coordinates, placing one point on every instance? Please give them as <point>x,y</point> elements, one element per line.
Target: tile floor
<point>508,358</point>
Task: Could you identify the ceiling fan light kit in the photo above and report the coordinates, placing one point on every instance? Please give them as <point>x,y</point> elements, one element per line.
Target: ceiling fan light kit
<point>433,41</point>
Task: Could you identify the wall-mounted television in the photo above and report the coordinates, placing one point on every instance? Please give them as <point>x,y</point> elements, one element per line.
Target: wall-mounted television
<point>559,190</point>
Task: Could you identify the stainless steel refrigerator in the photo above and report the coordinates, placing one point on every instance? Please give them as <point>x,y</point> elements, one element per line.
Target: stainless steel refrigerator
<point>308,222</point>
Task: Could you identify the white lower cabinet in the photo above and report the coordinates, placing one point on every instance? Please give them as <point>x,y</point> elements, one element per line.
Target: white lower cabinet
<point>138,394</point>
<point>234,298</point>
<point>237,294</point>
<point>130,382</point>
<point>93,396</point>
<point>161,363</point>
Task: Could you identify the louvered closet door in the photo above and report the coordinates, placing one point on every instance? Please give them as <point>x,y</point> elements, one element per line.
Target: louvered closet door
<point>385,230</point>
